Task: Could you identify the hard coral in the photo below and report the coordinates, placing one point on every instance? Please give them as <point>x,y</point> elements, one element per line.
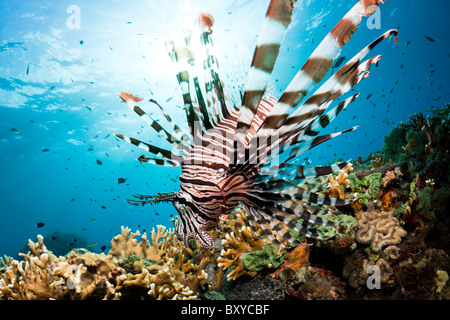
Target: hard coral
<point>336,186</point>
<point>235,246</point>
<point>86,275</point>
<point>379,230</point>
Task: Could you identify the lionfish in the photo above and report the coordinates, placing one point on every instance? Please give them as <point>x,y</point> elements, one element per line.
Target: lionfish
<point>244,150</point>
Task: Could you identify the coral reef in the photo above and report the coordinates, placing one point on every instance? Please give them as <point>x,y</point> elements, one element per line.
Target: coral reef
<point>391,242</point>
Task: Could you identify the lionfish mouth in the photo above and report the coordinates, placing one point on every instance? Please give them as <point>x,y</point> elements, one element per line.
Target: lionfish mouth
<point>160,197</point>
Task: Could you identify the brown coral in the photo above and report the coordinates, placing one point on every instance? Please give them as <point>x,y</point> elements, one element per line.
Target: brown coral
<point>388,177</point>
<point>295,259</point>
<point>379,230</point>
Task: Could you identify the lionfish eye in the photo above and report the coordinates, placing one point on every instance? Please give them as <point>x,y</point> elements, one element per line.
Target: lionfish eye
<point>181,200</point>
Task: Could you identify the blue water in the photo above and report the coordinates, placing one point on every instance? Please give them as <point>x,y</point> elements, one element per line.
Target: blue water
<point>60,75</point>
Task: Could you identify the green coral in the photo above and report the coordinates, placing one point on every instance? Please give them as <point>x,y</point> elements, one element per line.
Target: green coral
<point>266,258</point>
<point>214,295</point>
<point>341,220</point>
<point>428,197</point>
<point>355,183</point>
<point>393,144</point>
<point>373,181</point>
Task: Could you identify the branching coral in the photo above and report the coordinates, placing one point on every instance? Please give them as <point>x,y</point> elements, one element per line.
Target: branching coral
<point>336,186</point>
<point>82,274</point>
<point>235,246</point>
<point>379,230</point>
<point>163,244</point>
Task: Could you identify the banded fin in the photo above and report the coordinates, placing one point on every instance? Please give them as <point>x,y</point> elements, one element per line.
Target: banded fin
<point>171,158</point>
<point>275,24</point>
<point>176,129</point>
<point>318,64</point>
<point>131,101</point>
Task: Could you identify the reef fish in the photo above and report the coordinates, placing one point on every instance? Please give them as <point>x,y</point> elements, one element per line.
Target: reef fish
<point>243,147</point>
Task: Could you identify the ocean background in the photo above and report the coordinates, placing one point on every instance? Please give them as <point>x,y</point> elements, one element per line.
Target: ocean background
<point>60,163</point>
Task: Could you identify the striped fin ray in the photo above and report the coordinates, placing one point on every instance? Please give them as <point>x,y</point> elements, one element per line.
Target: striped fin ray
<point>215,96</point>
<point>295,151</point>
<point>157,151</point>
<point>294,171</point>
<point>298,193</point>
<point>157,161</point>
<point>275,24</point>
<point>318,64</point>
<point>300,122</point>
<point>183,57</point>
<point>195,50</point>
<point>340,83</point>
<point>131,101</point>
<point>176,129</point>
<point>305,139</point>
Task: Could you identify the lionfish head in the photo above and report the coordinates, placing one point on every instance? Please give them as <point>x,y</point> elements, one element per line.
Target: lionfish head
<point>189,224</point>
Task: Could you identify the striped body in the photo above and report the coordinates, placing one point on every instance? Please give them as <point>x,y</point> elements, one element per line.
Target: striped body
<point>245,150</point>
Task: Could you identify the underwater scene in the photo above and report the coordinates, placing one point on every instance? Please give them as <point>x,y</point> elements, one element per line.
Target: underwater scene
<point>224,150</point>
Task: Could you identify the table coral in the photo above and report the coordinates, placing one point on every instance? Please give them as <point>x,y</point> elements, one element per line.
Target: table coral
<point>379,230</point>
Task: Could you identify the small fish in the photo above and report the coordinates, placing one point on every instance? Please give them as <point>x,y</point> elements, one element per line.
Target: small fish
<point>53,238</point>
<point>121,180</point>
<point>103,248</point>
<point>103,207</point>
<point>28,68</point>
<point>89,108</point>
<point>393,11</point>
<point>40,224</point>
<point>72,200</point>
<point>429,38</point>
<point>407,43</point>
<point>81,42</point>
<point>45,150</point>
<point>92,244</point>
<point>15,130</point>
<point>142,159</point>
<point>338,62</point>
<point>99,162</point>
<point>92,219</point>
